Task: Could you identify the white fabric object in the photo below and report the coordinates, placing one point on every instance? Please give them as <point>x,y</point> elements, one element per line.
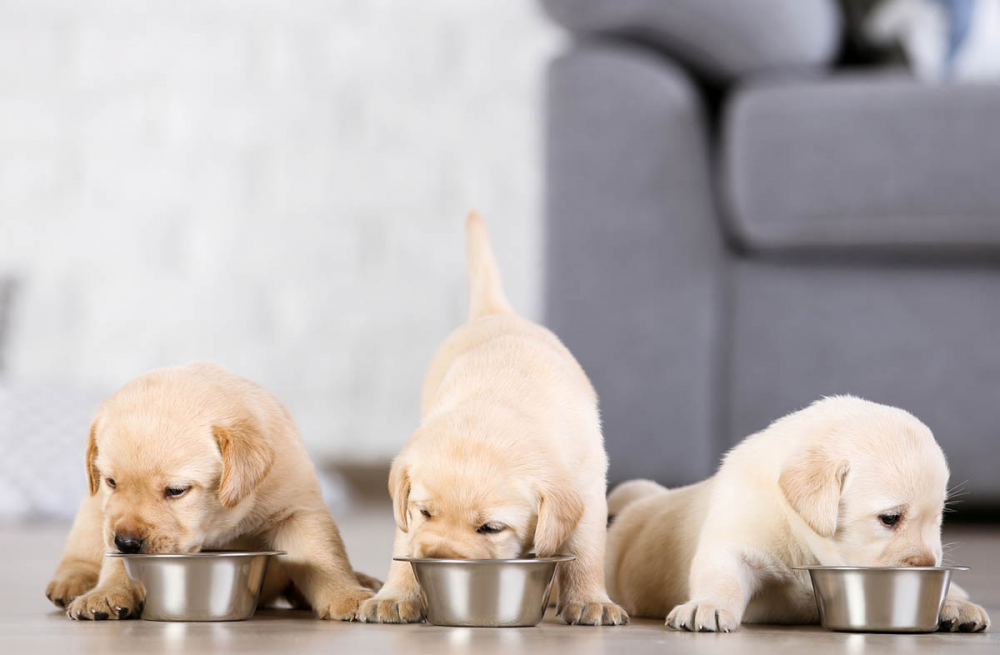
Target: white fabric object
<point>921,28</point>
<point>980,58</point>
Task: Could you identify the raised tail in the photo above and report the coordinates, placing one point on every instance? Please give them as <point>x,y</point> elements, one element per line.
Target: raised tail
<point>628,492</point>
<point>486,294</point>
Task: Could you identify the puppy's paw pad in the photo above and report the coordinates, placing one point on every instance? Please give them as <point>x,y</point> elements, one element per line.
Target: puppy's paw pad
<point>345,606</point>
<point>392,609</point>
<point>964,616</point>
<point>69,585</point>
<point>697,616</point>
<point>593,613</point>
<point>103,604</point>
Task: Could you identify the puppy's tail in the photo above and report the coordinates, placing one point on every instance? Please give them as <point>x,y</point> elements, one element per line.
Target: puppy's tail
<point>628,492</point>
<point>486,294</point>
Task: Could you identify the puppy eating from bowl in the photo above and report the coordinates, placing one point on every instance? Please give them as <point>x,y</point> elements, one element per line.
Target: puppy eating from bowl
<point>508,457</point>
<point>190,458</point>
<point>842,482</point>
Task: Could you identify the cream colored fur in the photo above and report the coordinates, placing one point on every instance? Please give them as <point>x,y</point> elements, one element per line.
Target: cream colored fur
<point>809,489</point>
<point>249,483</point>
<point>508,457</point>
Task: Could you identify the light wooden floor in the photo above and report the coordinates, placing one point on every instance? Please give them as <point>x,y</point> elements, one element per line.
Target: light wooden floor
<point>30,624</point>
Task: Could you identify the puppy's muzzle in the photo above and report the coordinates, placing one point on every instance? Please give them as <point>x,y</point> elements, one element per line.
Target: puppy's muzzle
<point>920,559</point>
<point>128,544</point>
<point>440,551</point>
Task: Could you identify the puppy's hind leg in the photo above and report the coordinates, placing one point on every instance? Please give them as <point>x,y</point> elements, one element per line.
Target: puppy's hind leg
<point>722,582</point>
<point>628,492</point>
<point>277,584</point>
<point>368,581</point>
<point>317,563</point>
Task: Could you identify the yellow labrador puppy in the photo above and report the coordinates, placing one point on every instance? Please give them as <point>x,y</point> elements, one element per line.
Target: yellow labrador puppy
<point>508,457</point>
<point>842,482</point>
<point>194,457</point>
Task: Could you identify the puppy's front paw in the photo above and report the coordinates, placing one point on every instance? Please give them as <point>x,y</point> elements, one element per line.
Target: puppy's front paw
<point>117,602</point>
<point>963,615</point>
<point>343,605</point>
<point>391,608</point>
<point>70,584</point>
<point>594,612</point>
<point>698,616</point>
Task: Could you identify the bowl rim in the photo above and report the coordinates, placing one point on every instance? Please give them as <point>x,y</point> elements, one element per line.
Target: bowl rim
<point>208,554</point>
<point>516,560</point>
<point>819,567</point>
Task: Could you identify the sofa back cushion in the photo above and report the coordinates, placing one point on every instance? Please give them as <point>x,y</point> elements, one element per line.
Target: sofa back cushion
<point>721,39</point>
<point>873,161</point>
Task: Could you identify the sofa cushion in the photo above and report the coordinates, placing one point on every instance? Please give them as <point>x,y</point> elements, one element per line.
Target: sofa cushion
<point>715,37</point>
<point>897,332</point>
<point>876,161</point>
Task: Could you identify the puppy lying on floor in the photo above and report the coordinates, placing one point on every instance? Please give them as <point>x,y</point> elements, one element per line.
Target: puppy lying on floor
<point>508,457</point>
<point>842,482</point>
<point>195,457</point>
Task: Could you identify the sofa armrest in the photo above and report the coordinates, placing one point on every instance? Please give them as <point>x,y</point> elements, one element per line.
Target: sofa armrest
<point>722,39</point>
<point>634,256</point>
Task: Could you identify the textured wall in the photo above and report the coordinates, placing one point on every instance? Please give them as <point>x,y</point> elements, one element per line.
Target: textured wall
<point>274,185</point>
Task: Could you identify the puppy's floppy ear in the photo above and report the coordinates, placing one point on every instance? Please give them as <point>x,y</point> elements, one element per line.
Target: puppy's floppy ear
<point>93,475</point>
<point>812,482</point>
<point>560,509</point>
<point>399,489</point>
<point>246,459</point>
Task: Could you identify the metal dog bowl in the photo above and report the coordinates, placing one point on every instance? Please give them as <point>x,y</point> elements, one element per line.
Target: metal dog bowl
<point>206,586</point>
<point>486,592</point>
<point>880,599</point>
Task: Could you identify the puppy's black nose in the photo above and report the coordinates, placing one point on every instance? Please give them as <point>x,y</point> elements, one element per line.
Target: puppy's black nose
<point>127,544</point>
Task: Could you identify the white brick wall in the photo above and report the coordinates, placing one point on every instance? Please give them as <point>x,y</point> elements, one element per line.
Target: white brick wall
<point>277,185</point>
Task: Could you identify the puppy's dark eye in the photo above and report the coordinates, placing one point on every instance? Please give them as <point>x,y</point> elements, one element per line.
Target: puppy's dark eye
<point>111,482</point>
<point>889,520</point>
<point>490,528</point>
<point>426,514</point>
<point>175,492</point>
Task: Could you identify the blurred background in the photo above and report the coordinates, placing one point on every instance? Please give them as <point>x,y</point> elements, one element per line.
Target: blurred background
<point>726,209</point>
<point>279,187</point>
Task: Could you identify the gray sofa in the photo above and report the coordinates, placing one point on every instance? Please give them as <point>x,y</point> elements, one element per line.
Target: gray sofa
<point>736,227</point>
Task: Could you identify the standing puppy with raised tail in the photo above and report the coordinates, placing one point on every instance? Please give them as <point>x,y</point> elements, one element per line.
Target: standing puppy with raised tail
<point>508,457</point>
<point>843,482</point>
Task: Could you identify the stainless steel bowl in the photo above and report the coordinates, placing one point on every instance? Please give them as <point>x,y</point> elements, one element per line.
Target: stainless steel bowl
<point>206,586</point>
<point>486,592</point>
<point>880,599</point>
